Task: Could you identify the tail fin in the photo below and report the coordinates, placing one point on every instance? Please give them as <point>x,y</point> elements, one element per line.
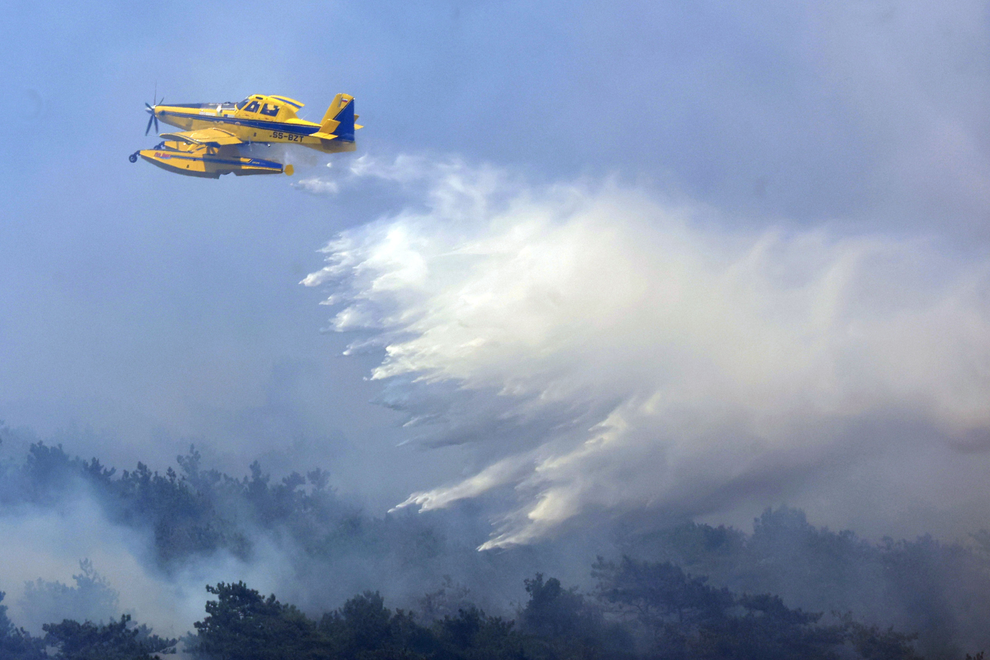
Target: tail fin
<point>339,120</point>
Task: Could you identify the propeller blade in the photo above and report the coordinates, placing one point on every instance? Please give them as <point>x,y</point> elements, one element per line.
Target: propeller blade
<point>152,110</point>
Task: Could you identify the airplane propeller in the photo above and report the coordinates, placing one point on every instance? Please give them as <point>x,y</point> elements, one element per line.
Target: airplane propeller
<point>153,119</point>
<point>150,109</point>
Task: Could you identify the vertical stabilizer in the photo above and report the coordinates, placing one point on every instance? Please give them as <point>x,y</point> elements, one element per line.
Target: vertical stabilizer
<point>339,119</point>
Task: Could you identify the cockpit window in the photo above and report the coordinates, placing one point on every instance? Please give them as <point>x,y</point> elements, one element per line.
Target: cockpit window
<point>243,103</point>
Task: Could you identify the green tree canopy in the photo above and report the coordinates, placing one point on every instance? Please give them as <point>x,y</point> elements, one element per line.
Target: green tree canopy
<point>113,641</point>
<point>241,624</point>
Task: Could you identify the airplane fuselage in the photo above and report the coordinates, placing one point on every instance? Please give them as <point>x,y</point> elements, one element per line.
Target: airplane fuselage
<point>272,121</point>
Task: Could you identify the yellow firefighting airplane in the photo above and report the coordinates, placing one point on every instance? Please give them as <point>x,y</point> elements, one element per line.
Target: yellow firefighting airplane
<point>214,131</point>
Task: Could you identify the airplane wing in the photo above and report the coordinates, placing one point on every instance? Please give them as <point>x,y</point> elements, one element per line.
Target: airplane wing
<point>210,136</point>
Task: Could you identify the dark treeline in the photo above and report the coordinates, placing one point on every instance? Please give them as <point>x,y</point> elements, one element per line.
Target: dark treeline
<point>789,589</point>
<point>642,610</point>
<point>71,640</point>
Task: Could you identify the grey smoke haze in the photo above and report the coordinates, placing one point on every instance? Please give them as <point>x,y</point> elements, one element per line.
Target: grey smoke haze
<point>157,310</point>
<point>814,177</point>
<point>50,542</point>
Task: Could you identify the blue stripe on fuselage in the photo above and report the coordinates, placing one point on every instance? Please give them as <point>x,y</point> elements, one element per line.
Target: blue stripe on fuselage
<point>240,121</point>
<point>287,101</point>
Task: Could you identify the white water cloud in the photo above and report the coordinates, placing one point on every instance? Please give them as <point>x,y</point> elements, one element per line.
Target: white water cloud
<point>607,350</point>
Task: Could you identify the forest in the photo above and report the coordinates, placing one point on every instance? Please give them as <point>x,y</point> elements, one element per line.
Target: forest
<point>414,586</point>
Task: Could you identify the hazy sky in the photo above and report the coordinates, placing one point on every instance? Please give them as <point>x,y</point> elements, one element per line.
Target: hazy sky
<point>812,177</point>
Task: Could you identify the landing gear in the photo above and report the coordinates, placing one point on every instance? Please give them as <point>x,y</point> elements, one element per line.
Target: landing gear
<point>133,157</point>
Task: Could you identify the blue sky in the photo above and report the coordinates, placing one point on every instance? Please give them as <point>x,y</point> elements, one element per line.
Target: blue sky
<point>157,310</point>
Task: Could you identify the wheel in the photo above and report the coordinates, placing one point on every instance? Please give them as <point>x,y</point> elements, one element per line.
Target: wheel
<point>132,158</point>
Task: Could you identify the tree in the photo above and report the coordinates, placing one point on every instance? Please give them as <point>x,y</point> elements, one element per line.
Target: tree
<point>16,643</point>
<point>91,599</point>
<point>766,630</point>
<point>473,634</point>
<point>661,597</point>
<point>553,611</point>
<point>448,600</point>
<point>872,643</point>
<point>113,641</point>
<point>364,629</point>
<point>566,624</point>
<point>363,623</point>
<point>687,618</point>
<point>243,625</point>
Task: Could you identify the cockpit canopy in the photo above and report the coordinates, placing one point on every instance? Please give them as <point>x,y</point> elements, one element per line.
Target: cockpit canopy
<point>278,107</point>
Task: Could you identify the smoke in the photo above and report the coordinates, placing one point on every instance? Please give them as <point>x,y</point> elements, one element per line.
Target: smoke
<point>605,349</point>
<point>51,542</point>
<point>47,548</point>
